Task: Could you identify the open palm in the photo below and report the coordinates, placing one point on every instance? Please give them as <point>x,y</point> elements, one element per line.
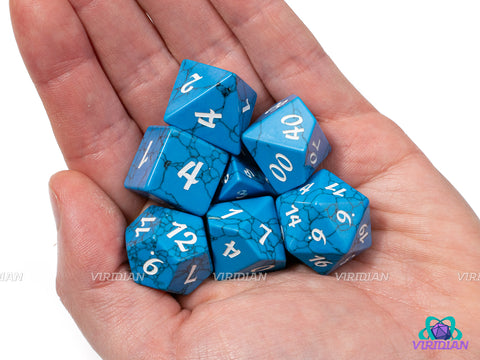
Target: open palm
<point>104,71</point>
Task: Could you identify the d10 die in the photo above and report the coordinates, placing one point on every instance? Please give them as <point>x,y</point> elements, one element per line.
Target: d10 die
<point>245,237</point>
<point>167,250</point>
<point>176,167</point>
<point>326,222</point>
<point>211,103</point>
<point>242,179</point>
<point>287,144</point>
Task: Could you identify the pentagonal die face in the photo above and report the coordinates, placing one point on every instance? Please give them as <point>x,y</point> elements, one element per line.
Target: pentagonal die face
<point>212,104</point>
<point>287,144</point>
<point>326,222</point>
<point>245,237</point>
<point>168,250</point>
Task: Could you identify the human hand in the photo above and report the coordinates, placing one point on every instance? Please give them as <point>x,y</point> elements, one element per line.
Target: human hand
<point>102,91</point>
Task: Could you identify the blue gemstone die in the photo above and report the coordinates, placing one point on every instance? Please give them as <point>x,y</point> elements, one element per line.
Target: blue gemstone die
<point>213,104</point>
<point>325,222</point>
<point>287,144</point>
<point>167,250</point>
<point>242,179</point>
<point>245,237</point>
<point>178,168</point>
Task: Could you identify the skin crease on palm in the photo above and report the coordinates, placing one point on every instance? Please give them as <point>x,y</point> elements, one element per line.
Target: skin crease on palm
<point>104,72</point>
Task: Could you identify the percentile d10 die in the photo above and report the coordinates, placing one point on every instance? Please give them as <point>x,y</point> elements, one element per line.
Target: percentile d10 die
<point>287,144</point>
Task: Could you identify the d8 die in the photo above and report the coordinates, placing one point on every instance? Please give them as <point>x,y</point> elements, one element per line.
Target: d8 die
<point>245,237</point>
<point>178,168</point>
<point>287,144</point>
<point>242,179</point>
<point>326,222</point>
<point>167,250</point>
<point>211,103</point>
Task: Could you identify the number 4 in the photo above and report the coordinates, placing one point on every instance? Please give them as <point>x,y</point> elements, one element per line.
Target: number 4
<point>190,177</point>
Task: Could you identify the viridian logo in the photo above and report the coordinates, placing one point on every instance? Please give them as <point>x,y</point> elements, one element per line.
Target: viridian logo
<point>440,334</point>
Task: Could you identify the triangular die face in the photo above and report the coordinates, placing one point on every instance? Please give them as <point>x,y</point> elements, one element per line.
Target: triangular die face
<point>232,254</point>
<point>193,80</point>
<point>341,216</point>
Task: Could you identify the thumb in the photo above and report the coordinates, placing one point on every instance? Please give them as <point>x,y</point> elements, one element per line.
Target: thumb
<point>120,319</point>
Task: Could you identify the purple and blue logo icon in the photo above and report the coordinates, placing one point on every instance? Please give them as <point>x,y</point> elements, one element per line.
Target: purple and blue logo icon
<point>440,334</point>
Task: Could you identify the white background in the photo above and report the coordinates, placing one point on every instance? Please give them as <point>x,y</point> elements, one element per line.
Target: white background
<point>416,61</point>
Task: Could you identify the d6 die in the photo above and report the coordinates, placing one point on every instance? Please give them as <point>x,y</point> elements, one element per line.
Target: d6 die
<point>167,250</point>
<point>242,179</point>
<point>287,144</point>
<point>211,103</point>
<point>245,237</point>
<point>326,222</point>
<point>178,168</point>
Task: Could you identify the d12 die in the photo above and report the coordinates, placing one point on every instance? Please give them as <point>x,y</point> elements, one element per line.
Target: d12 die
<point>245,237</point>
<point>178,168</point>
<point>326,222</point>
<point>287,144</point>
<point>242,179</point>
<point>167,250</point>
<point>211,103</point>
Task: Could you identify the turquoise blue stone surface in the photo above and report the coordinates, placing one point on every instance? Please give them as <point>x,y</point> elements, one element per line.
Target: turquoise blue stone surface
<point>245,237</point>
<point>242,179</point>
<point>178,168</point>
<point>213,104</point>
<point>167,250</point>
<point>287,144</point>
<point>325,222</point>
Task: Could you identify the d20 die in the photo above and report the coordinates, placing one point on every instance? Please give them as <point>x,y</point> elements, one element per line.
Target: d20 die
<point>176,167</point>
<point>211,103</point>
<point>245,237</point>
<point>287,144</point>
<point>326,222</point>
<point>242,179</point>
<point>167,250</point>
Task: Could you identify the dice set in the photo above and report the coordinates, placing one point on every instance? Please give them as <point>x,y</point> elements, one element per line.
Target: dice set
<point>237,196</point>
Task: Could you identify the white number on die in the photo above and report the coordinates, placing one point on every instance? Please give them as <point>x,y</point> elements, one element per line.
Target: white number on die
<point>190,177</point>
<point>187,87</point>
<point>318,235</point>
<point>279,171</point>
<point>320,261</point>
<point>188,234</point>
<point>292,134</point>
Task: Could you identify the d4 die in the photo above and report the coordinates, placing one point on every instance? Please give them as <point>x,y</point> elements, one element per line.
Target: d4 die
<point>245,237</point>
<point>326,222</point>
<point>167,250</point>
<point>212,104</point>
<point>287,144</point>
<point>242,179</point>
<point>178,168</point>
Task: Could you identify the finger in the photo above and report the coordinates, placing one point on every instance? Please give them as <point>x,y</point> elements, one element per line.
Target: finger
<point>96,135</point>
<point>288,59</point>
<point>194,30</point>
<point>93,283</point>
<point>133,55</point>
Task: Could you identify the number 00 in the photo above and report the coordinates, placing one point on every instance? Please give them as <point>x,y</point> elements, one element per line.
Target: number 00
<point>278,171</point>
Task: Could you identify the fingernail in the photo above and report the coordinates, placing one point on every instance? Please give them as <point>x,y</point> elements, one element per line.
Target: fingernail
<point>54,201</point>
